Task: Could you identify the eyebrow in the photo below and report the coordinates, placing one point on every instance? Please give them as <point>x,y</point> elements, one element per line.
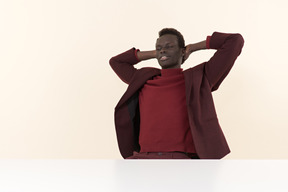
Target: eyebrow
<point>157,45</point>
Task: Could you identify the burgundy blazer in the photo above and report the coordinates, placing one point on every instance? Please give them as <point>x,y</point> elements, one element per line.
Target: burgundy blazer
<point>200,81</point>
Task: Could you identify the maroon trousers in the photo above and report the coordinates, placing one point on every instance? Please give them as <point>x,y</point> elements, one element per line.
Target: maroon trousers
<point>163,155</point>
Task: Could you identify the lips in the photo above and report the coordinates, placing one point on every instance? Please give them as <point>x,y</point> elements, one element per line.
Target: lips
<point>164,58</point>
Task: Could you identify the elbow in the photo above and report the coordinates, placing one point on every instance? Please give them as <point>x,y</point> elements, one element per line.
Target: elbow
<point>238,42</point>
<point>112,62</point>
<point>239,39</point>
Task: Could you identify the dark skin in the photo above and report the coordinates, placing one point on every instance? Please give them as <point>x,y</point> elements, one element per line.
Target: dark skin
<point>168,53</point>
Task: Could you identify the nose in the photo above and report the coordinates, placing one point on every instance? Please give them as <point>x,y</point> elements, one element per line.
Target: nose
<point>163,50</point>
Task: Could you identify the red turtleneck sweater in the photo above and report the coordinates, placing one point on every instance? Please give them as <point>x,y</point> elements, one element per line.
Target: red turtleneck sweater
<point>164,122</point>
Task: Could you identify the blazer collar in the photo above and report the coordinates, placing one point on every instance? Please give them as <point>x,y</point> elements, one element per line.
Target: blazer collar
<point>139,79</point>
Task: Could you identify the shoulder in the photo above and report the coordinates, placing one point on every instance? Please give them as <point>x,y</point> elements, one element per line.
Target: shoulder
<point>196,69</point>
<point>145,73</point>
<point>148,70</point>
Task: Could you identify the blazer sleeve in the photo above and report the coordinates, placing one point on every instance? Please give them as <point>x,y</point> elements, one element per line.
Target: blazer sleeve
<point>123,64</point>
<point>228,47</point>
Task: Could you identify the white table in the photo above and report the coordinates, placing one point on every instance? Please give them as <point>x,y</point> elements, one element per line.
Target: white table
<point>143,175</point>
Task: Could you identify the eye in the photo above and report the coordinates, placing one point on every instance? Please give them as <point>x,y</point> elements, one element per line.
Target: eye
<point>158,48</point>
<point>169,46</point>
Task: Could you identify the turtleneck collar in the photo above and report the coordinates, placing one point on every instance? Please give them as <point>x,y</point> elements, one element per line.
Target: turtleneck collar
<point>171,72</point>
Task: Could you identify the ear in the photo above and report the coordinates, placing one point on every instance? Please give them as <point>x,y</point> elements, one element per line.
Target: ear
<point>183,54</point>
<point>183,51</point>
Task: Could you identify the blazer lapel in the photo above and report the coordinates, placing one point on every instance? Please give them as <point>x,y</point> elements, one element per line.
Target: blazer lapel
<point>139,79</point>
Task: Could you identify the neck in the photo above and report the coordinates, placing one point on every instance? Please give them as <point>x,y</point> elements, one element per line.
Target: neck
<point>173,67</point>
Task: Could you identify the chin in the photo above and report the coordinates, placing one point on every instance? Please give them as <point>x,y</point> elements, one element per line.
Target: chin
<point>170,66</point>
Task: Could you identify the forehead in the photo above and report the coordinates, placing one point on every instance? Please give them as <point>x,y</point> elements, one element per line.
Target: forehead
<point>165,39</point>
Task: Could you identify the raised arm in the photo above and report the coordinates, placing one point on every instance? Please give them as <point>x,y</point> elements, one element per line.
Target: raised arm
<point>123,64</point>
<point>194,47</point>
<point>145,55</point>
<point>228,48</point>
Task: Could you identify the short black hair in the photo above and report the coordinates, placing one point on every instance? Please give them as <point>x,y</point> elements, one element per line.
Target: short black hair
<point>173,31</point>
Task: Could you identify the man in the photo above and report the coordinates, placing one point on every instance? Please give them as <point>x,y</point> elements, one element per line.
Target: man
<point>169,113</point>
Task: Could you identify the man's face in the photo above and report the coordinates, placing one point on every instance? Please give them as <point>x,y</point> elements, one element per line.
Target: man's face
<point>168,52</point>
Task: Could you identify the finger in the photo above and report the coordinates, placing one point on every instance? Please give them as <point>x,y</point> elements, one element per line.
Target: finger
<point>186,57</point>
<point>186,54</point>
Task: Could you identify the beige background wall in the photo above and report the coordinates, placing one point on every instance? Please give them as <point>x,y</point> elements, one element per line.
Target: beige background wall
<point>58,92</point>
